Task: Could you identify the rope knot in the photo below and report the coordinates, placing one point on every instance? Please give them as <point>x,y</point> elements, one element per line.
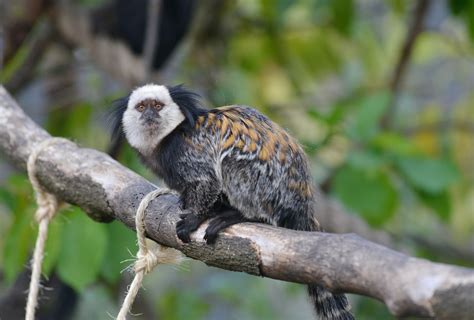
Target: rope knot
<point>146,261</point>
<point>47,207</point>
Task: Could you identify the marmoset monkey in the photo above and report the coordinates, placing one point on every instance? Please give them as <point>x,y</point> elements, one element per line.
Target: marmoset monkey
<point>230,164</point>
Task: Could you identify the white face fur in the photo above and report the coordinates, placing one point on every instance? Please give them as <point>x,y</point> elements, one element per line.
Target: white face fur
<point>146,137</point>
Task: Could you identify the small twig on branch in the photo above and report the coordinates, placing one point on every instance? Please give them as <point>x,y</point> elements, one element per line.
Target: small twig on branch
<point>106,190</point>
<point>414,30</point>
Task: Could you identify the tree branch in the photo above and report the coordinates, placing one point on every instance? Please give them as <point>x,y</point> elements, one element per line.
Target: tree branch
<point>106,190</point>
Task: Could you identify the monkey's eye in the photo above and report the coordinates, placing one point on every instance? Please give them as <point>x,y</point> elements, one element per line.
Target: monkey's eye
<point>158,106</point>
<point>140,107</point>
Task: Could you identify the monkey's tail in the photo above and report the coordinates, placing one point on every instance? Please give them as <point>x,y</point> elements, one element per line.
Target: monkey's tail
<point>329,306</point>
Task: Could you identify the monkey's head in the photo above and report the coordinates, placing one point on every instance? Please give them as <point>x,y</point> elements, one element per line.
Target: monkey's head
<point>151,112</point>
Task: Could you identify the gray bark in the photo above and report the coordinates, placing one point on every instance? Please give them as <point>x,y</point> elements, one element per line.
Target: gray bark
<point>343,263</point>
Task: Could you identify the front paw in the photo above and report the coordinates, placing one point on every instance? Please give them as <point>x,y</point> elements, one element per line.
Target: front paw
<point>189,222</point>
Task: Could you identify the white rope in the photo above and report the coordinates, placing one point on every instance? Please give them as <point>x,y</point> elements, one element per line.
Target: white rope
<point>47,208</point>
<point>147,258</point>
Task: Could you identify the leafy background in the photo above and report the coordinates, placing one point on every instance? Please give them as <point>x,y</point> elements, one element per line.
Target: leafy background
<point>401,158</point>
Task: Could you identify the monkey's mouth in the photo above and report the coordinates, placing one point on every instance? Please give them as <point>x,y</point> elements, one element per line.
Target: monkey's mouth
<point>150,123</point>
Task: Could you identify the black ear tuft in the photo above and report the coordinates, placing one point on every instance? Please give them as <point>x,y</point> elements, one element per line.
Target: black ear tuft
<point>114,118</point>
<point>188,102</point>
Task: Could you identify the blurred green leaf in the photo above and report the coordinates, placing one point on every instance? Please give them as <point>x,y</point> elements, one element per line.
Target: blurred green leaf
<point>342,15</point>
<point>310,60</point>
<point>371,309</point>
<point>369,193</point>
<point>459,6</point>
<point>365,125</point>
<point>427,174</point>
<point>316,115</point>
<point>176,305</point>
<point>395,144</point>
<point>398,6</point>
<point>336,113</point>
<point>19,238</point>
<point>464,9</point>
<point>9,70</point>
<point>121,246</point>
<point>439,202</point>
<point>366,160</point>
<point>274,11</point>
<point>18,242</point>
<point>70,122</point>
<point>8,199</point>
<point>470,20</point>
<point>84,244</point>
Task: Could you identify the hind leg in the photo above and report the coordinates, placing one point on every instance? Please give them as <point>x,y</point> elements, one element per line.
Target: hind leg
<point>223,220</point>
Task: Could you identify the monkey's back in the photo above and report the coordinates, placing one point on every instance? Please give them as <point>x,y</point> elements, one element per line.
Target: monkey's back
<point>263,171</point>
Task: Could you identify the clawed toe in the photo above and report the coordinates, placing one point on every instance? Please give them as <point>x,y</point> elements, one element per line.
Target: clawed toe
<point>189,222</point>
<point>210,236</point>
<point>219,223</point>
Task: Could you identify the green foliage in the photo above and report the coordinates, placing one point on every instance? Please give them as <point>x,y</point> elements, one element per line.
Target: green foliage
<point>8,199</point>
<point>365,124</point>
<point>70,122</point>
<point>7,73</point>
<point>371,309</point>
<point>21,233</point>
<point>430,178</point>
<point>121,247</point>
<point>464,9</point>
<point>176,305</point>
<point>440,203</point>
<point>394,144</point>
<point>398,6</point>
<point>368,192</point>
<point>84,244</point>
<point>18,242</point>
<point>342,12</point>
<point>368,161</point>
<point>428,174</point>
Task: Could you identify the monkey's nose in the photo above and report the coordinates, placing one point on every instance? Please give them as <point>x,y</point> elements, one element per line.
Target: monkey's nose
<point>150,119</point>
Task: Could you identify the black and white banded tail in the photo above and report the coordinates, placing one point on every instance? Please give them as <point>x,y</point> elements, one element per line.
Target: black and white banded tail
<point>329,306</point>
